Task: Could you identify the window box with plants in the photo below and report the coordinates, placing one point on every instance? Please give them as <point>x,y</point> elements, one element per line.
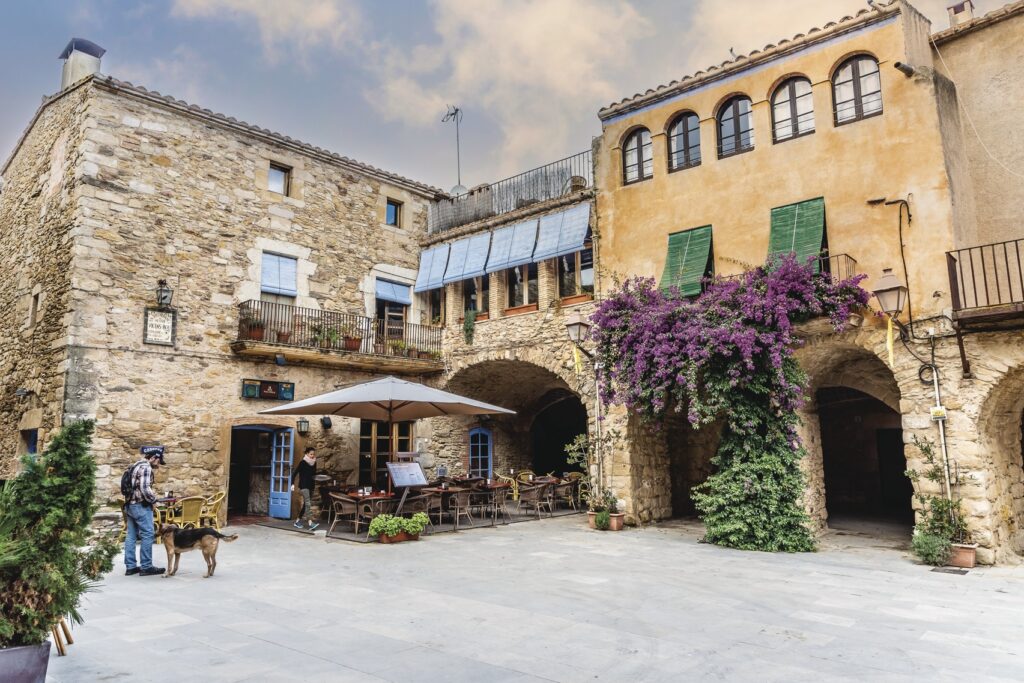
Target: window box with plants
<point>323,336</point>
<point>352,337</point>
<point>48,555</point>
<point>392,529</point>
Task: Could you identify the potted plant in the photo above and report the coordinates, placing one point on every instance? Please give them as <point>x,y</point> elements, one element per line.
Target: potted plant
<point>940,535</point>
<point>602,510</point>
<point>392,529</point>
<point>424,354</point>
<point>352,338</point>
<point>253,327</point>
<point>323,336</point>
<point>284,336</point>
<point>469,326</point>
<point>397,347</point>
<point>48,556</point>
<point>583,453</point>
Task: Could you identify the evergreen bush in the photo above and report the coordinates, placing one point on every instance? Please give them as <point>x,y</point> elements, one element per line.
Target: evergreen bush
<point>932,549</point>
<point>46,560</point>
<point>603,520</point>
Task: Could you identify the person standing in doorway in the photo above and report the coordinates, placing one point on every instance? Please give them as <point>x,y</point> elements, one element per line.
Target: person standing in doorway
<point>305,473</point>
<point>139,514</point>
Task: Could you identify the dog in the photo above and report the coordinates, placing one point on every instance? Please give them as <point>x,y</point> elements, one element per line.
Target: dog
<point>178,541</point>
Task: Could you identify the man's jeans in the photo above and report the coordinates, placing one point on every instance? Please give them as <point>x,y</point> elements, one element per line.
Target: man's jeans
<point>140,525</point>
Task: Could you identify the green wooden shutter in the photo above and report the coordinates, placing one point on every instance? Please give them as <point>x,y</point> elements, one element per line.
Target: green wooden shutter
<point>798,228</point>
<point>687,260</point>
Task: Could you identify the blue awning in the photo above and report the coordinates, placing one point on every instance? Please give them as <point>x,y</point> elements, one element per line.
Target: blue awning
<point>433,262</point>
<point>394,292</point>
<point>467,258</point>
<point>563,232</point>
<point>512,246</point>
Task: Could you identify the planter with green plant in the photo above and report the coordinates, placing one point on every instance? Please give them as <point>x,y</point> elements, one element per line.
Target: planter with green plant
<point>940,535</point>
<point>469,326</point>
<point>393,529</point>
<point>48,555</point>
<point>398,347</point>
<point>324,336</point>
<point>352,337</point>
<point>583,452</point>
<point>253,327</point>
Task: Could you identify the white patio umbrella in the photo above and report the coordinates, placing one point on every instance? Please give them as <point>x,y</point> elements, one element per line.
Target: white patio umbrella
<point>390,400</point>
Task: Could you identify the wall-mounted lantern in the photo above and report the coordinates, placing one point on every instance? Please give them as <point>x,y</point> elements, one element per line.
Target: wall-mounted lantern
<point>302,426</point>
<point>891,294</point>
<point>164,294</point>
<point>578,329</point>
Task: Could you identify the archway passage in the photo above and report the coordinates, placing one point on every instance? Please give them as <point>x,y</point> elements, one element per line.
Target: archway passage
<point>866,487</point>
<point>549,414</point>
<point>555,427</point>
<point>689,453</point>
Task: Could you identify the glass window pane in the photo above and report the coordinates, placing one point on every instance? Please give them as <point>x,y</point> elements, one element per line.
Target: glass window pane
<point>567,275</point>
<point>277,179</point>
<point>469,295</point>
<point>531,274</point>
<point>391,217</point>
<point>587,270</point>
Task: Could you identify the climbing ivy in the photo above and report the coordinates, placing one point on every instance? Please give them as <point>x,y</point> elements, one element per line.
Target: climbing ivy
<point>728,354</point>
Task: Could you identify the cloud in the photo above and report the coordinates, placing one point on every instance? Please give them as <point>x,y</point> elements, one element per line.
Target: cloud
<point>181,74</point>
<point>528,65</point>
<point>286,27</point>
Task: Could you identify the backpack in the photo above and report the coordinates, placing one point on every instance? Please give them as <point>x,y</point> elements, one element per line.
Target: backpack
<point>128,482</point>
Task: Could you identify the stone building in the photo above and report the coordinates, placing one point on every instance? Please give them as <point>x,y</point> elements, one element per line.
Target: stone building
<point>171,272</point>
<point>877,144</point>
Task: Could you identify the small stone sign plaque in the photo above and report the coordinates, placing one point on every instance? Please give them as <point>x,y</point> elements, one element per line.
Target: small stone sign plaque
<point>159,327</point>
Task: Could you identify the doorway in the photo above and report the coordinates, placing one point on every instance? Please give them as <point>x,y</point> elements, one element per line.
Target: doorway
<point>557,424</point>
<point>375,450</point>
<point>481,444</point>
<point>259,477</point>
<point>864,463</point>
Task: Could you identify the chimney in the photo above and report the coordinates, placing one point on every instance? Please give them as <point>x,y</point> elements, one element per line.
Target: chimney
<point>81,60</point>
<point>960,13</point>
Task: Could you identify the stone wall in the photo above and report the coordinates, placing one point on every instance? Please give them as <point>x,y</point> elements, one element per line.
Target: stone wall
<point>37,223</point>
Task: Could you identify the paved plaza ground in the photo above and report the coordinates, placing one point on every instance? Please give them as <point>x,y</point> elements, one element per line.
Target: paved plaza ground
<point>550,601</point>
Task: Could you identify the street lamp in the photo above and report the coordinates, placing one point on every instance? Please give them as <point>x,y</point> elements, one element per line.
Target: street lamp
<point>578,329</point>
<point>891,294</point>
<point>164,294</point>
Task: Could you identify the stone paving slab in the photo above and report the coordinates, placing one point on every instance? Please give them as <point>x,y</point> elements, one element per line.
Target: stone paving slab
<point>550,601</point>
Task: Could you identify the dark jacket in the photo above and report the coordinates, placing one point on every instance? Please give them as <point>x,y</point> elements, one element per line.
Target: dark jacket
<point>304,473</point>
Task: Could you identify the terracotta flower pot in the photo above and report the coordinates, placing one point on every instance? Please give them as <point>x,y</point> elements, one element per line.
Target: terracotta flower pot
<point>399,537</point>
<point>284,337</point>
<point>256,333</point>
<point>353,343</point>
<point>591,516</point>
<point>964,555</point>
<point>616,520</point>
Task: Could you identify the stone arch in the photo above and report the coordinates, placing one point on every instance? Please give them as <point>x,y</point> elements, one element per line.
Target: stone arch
<point>842,363</point>
<point>1000,424</point>
<point>527,380</point>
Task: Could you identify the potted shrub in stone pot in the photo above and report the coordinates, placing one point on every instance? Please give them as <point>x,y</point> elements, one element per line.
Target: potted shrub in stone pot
<point>940,535</point>
<point>48,555</point>
<point>392,529</point>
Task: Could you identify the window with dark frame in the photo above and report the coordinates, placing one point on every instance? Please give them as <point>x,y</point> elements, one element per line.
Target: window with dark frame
<point>33,313</point>
<point>393,213</point>
<point>435,306</point>
<point>279,178</point>
<point>735,127</point>
<point>476,294</point>
<point>637,159</point>
<point>480,452</point>
<point>522,285</point>
<point>792,110</point>
<point>375,450</point>
<point>857,90</point>
<point>392,318</point>
<point>576,272</point>
<point>684,142</point>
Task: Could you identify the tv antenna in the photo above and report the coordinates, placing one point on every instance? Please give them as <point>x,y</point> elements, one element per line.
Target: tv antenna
<point>454,113</point>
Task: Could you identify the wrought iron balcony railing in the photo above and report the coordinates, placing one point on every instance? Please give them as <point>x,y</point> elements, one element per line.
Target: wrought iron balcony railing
<point>987,275</point>
<point>328,330</point>
<point>838,267</point>
<point>553,180</point>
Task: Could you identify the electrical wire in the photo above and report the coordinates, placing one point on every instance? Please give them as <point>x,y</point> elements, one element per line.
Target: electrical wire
<point>967,114</point>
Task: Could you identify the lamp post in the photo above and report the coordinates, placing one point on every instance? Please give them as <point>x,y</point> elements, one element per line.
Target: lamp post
<point>578,329</point>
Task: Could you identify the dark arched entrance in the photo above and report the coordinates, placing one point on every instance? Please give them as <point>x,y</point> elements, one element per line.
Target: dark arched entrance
<point>561,417</point>
<point>864,464</point>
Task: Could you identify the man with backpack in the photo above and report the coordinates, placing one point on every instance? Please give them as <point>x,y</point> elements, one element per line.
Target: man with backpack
<point>137,489</point>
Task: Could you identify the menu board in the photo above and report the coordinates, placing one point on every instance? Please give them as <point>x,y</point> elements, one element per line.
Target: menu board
<point>406,474</point>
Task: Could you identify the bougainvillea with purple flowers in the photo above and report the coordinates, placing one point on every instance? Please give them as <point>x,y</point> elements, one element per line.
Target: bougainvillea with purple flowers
<point>728,354</point>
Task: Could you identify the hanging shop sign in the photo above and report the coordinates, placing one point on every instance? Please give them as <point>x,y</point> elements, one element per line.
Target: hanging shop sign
<point>269,389</point>
<point>159,326</point>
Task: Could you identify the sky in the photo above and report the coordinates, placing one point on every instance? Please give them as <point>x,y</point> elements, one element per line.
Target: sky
<point>371,79</point>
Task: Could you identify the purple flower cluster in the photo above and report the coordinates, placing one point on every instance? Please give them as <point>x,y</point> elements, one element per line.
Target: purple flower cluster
<point>659,348</point>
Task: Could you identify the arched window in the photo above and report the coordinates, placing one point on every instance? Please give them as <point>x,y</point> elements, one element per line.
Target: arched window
<point>684,142</point>
<point>792,109</point>
<point>857,89</point>
<point>735,127</point>
<point>637,162</point>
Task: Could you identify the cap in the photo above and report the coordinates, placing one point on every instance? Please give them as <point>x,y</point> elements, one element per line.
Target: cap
<point>153,452</point>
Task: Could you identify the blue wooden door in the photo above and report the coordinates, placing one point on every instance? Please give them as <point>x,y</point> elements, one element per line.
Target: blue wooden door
<point>480,459</point>
<point>281,474</point>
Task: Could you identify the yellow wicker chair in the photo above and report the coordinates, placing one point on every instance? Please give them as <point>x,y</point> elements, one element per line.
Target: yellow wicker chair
<point>511,481</point>
<point>187,512</point>
<point>210,514</point>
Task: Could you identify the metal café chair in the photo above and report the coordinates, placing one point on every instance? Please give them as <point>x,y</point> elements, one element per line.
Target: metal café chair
<point>535,498</point>
<point>499,504</point>
<point>564,492</point>
<point>458,505</point>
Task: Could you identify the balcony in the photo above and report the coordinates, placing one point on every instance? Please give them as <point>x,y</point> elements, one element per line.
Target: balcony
<point>554,180</point>
<point>305,335</point>
<point>987,285</point>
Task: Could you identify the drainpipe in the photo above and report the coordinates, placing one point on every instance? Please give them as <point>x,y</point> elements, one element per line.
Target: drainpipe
<point>597,411</point>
